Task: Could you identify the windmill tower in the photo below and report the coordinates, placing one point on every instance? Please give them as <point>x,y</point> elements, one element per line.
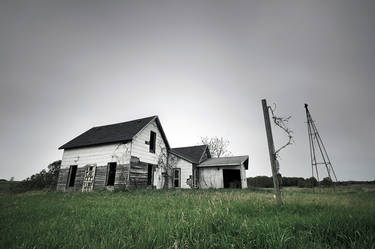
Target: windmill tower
<point>318,152</point>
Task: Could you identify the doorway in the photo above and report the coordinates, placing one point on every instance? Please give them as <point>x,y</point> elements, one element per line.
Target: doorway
<point>232,178</point>
<point>149,174</point>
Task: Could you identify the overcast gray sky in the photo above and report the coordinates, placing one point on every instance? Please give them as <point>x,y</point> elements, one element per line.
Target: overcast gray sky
<point>202,66</point>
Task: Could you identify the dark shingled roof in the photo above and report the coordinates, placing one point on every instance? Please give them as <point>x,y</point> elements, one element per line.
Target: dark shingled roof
<point>121,132</point>
<point>191,153</point>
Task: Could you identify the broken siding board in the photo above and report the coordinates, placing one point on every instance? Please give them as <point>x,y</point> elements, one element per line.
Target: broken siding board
<point>137,167</point>
<point>138,173</point>
<point>62,179</point>
<point>79,179</point>
<point>121,177</point>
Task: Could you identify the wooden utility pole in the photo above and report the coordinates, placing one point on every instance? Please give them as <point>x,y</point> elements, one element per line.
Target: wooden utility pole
<point>271,149</point>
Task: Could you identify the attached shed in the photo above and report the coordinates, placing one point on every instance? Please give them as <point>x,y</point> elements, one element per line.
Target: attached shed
<point>186,164</point>
<point>223,172</point>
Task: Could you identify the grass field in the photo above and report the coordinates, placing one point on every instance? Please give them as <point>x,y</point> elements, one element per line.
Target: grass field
<point>189,219</point>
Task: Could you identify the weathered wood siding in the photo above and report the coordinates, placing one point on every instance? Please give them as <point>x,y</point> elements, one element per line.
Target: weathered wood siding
<point>100,155</point>
<point>122,176</point>
<point>100,179</point>
<point>62,179</point>
<point>94,155</point>
<point>138,174</point>
<point>243,177</point>
<point>79,179</point>
<point>212,177</point>
<point>141,150</point>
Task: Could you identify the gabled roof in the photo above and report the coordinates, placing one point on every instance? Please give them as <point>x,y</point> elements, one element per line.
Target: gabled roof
<point>192,154</point>
<point>226,161</point>
<point>114,133</point>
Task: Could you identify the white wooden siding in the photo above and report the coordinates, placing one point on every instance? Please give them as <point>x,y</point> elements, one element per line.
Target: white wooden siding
<point>100,155</point>
<point>186,171</point>
<point>142,150</point>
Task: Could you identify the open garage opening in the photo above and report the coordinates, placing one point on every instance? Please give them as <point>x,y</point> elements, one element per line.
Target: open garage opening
<point>232,178</point>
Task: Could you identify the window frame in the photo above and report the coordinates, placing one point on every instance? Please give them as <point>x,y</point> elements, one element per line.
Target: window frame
<point>152,145</point>
<point>108,174</point>
<point>179,177</point>
<point>72,178</point>
<point>150,173</point>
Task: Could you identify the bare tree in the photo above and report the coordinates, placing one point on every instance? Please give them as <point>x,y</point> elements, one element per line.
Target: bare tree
<point>167,162</point>
<point>218,146</point>
<point>282,123</point>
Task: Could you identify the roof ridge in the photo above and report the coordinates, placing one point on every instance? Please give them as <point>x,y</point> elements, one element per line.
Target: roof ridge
<point>111,133</point>
<point>133,120</point>
<point>182,156</point>
<point>190,146</point>
<point>230,156</point>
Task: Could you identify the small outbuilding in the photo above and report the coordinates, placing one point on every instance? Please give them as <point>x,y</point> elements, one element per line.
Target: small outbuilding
<point>224,172</point>
<point>197,169</point>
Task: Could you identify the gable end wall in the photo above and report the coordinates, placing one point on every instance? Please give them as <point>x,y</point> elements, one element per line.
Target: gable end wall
<point>141,150</point>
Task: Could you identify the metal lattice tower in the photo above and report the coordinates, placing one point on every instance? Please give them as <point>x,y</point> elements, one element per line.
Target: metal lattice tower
<point>317,148</point>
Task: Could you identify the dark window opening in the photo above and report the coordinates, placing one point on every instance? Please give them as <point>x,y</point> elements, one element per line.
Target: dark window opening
<point>176,178</point>
<point>152,141</point>
<point>72,175</point>
<point>195,176</point>
<point>149,174</point>
<point>111,174</point>
<point>232,178</point>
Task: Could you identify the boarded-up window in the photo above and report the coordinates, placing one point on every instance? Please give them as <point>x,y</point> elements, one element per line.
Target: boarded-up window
<point>176,178</point>
<point>152,141</point>
<point>111,174</point>
<point>72,175</point>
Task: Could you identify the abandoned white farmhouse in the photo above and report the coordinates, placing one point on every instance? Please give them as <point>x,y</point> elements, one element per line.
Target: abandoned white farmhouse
<point>137,154</point>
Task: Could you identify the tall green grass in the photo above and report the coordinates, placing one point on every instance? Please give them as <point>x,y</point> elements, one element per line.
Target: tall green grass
<point>188,219</point>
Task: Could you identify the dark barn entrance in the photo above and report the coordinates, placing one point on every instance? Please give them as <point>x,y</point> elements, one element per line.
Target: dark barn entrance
<point>232,178</point>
